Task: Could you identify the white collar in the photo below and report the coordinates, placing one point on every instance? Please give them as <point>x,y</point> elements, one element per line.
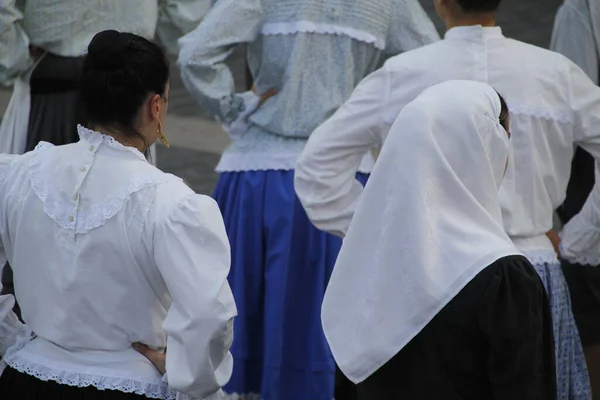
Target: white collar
<point>474,31</point>
<point>95,139</point>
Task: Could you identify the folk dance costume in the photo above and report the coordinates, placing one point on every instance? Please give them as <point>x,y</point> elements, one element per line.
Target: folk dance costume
<point>553,105</point>
<point>108,251</point>
<point>62,30</point>
<point>429,298</point>
<point>577,36</point>
<point>312,53</point>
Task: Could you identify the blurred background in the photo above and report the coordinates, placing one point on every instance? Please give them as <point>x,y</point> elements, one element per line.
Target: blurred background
<point>197,140</point>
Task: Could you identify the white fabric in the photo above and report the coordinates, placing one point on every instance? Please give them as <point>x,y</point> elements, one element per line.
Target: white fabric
<point>65,27</point>
<point>15,122</point>
<point>13,130</point>
<point>428,223</point>
<point>576,34</point>
<point>553,104</point>
<point>124,253</point>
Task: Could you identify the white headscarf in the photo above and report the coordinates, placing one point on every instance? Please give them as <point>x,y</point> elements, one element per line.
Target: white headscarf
<point>428,222</point>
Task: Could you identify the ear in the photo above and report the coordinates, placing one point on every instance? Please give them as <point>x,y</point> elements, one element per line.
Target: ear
<point>154,104</point>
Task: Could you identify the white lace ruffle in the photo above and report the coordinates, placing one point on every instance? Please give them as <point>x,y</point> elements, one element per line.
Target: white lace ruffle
<point>78,379</point>
<point>256,161</point>
<point>581,259</point>
<point>249,396</point>
<point>541,257</point>
<point>291,28</point>
<point>62,211</point>
<point>561,116</point>
<point>97,138</point>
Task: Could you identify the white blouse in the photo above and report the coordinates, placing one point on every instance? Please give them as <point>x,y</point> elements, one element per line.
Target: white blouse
<point>66,27</point>
<point>107,251</point>
<point>553,105</point>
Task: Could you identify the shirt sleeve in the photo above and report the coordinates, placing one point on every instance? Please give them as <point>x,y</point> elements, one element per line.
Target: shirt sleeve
<point>13,333</point>
<point>574,38</point>
<point>192,253</point>
<point>177,18</point>
<point>205,50</point>
<point>580,237</point>
<point>412,28</point>
<point>14,43</point>
<point>325,175</point>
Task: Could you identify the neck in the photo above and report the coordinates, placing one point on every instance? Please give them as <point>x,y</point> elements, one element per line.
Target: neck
<point>485,20</point>
<point>122,138</point>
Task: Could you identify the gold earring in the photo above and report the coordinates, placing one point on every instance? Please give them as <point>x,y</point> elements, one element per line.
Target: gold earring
<point>162,136</point>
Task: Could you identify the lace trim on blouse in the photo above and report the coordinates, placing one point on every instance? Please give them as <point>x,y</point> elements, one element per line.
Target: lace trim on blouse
<point>157,390</point>
<point>561,116</point>
<point>271,161</point>
<point>542,257</point>
<point>95,216</point>
<point>291,28</point>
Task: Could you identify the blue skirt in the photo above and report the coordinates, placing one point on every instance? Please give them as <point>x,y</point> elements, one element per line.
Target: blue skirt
<point>280,268</point>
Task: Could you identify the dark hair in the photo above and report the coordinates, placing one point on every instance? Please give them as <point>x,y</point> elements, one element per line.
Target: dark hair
<point>120,71</point>
<point>479,6</point>
<point>504,114</point>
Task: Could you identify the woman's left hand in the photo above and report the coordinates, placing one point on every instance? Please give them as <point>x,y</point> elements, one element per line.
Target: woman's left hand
<point>158,359</point>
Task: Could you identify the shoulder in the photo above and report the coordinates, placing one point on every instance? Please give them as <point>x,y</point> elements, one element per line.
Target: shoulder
<point>176,196</point>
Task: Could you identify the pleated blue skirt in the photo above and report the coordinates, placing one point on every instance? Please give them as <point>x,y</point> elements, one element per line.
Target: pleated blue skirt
<point>280,268</point>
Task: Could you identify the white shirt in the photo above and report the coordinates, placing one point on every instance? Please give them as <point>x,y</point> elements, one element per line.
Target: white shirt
<point>66,27</point>
<point>107,250</point>
<point>553,105</point>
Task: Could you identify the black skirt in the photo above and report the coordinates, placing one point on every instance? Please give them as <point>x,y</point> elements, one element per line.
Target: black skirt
<point>584,286</point>
<point>494,340</point>
<point>15,385</point>
<point>55,110</point>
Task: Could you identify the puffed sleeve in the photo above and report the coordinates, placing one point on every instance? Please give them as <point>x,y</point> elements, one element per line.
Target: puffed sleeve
<point>205,50</point>
<point>177,18</point>
<point>13,333</point>
<point>14,43</point>
<point>192,253</point>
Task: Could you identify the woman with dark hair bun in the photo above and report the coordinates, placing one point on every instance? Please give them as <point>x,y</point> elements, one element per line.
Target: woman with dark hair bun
<point>127,261</point>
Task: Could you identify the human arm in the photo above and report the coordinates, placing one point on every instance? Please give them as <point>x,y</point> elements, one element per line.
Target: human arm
<point>177,18</point>
<point>205,50</point>
<point>411,28</point>
<point>13,333</point>
<point>573,37</point>
<point>585,105</point>
<point>192,253</point>
<point>14,43</point>
<point>325,175</point>
<point>580,237</point>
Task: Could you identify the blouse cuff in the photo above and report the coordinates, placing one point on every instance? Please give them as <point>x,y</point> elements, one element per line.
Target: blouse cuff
<point>14,335</point>
<point>236,110</point>
<point>580,238</point>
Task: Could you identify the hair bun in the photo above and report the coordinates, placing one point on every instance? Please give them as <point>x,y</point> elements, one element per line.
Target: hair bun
<point>108,49</point>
